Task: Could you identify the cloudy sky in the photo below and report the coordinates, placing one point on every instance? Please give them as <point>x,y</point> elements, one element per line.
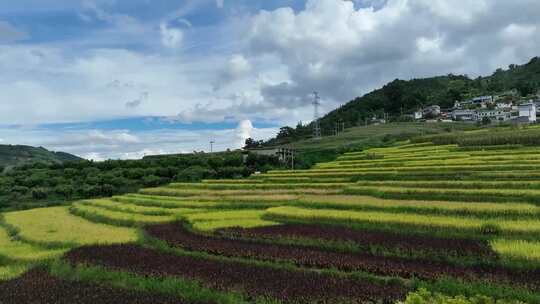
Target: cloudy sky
<point>124,78</point>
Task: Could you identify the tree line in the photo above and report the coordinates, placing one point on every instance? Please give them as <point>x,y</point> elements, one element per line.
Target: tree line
<point>44,184</point>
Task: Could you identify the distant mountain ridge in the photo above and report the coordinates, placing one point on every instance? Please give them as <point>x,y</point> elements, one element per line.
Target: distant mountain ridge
<point>16,155</point>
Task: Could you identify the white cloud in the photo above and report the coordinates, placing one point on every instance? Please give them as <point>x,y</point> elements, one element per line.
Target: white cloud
<point>171,37</point>
<point>244,131</point>
<point>235,68</point>
<point>220,3</point>
<point>516,33</point>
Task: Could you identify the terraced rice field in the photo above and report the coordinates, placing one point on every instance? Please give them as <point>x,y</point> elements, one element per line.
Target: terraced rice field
<point>371,226</point>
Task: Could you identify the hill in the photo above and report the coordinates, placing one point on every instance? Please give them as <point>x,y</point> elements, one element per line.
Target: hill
<point>452,218</point>
<point>405,96</point>
<point>11,156</point>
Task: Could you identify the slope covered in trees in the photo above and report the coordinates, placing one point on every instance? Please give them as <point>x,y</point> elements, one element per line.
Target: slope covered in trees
<point>405,96</point>
<point>18,155</point>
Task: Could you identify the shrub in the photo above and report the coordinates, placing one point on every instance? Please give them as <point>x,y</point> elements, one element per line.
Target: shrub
<point>423,296</point>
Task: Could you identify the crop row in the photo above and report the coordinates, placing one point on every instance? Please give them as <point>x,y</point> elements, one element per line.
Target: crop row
<point>445,168</point>
<point>368,241</point>
<point>419,175</point>
<point>37,286</point>
<point>433,164</point>
<point>184,201</point>
<point>128,207</point>
<point>175,235</point>
<point>299,286</point>
<point>405,220</point>
<point>474,195</point>
<point>471,184</point>
<point>116,218</point>
<point>165,191</point>
<point>259,186</point>
<point>352,202</point>
<point>381,158</point>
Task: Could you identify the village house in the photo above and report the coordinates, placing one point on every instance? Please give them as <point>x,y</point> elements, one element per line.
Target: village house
<point>504,105</point>
<point>463,115</point>
<point>528,110</point>
<point>494,115</point>
<point>482,101</point>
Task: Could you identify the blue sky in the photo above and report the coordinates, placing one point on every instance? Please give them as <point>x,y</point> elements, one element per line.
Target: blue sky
<point>121,79</point>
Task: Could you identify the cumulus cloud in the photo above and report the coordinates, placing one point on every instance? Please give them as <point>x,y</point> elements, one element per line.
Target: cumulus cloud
<point>344,49</point>
<point>243,132</point>
<point>122,22</point>
<point>9,33</point>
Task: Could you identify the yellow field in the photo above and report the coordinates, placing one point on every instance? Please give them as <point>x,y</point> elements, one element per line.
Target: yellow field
<point>56,225</point>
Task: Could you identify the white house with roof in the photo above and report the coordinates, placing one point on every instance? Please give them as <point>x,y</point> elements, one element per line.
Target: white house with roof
<point>528,110</point>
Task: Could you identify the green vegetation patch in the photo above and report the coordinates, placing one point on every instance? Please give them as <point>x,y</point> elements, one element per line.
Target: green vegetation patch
<point>58,227</point>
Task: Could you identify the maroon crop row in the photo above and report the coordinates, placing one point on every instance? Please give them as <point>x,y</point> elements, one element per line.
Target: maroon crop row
<point>177,235</point>
<point>406,243</point>
<point>38,286</point>
<point>297,286</point>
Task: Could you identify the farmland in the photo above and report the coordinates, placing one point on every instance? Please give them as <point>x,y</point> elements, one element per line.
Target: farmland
<point>415,220</point>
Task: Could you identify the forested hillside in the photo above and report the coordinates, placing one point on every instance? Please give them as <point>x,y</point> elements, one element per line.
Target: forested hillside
<point>42,184</point>
<point>405,96</point>
<point>17,155</point>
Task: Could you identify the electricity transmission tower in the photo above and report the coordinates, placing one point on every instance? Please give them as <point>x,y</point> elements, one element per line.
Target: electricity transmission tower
<point>212,146</point>
<point>316,121</point>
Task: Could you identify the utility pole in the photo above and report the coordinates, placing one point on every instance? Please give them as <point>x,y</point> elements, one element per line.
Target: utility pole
<point>293,159</point>
<point>316,122</point>
<point>212,146</point>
